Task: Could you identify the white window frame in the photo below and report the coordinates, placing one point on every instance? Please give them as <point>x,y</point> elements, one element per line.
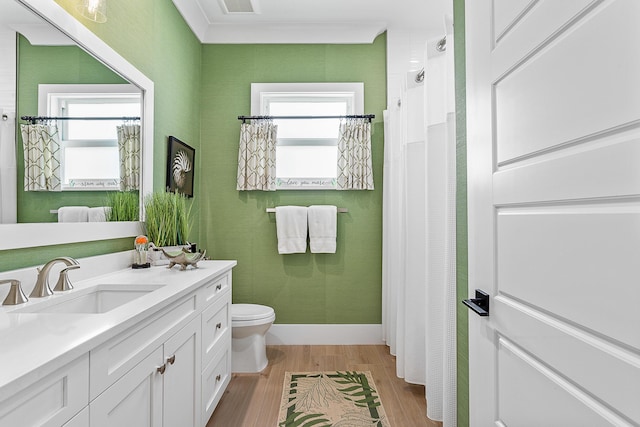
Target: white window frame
<point>262,93</point>
<point>50,97</point>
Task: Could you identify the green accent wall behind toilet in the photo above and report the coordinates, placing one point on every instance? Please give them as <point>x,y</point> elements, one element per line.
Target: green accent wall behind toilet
<point>340,288</point>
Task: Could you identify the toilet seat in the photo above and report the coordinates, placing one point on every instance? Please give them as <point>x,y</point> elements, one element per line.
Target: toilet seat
<point>253,314</point>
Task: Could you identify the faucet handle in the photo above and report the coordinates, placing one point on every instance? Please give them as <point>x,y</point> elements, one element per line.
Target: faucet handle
<point>64,284</point>
<point>15,295</point>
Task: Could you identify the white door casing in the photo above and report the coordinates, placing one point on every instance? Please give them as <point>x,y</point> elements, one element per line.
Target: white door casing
<point>553,118</point>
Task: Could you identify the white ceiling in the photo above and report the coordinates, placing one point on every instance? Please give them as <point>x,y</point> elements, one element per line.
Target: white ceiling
<point>18,18</point>
<point>310,21</point>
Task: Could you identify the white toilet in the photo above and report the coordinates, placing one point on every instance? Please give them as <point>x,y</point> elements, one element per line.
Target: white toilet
<point>249,325</point>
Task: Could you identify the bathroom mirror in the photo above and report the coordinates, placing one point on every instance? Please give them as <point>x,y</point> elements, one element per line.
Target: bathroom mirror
<point>41,234</point>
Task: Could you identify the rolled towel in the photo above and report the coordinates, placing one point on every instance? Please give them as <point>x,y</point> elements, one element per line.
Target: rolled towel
<point>291,229</point>
<point>323,225</point>
<point>73,214</point>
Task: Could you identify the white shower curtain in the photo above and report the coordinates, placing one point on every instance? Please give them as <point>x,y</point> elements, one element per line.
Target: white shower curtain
<point>419,289</point>
<point>8,169</point>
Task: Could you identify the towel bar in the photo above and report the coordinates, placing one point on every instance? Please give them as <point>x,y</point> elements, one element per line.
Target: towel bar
<point>340,210</point>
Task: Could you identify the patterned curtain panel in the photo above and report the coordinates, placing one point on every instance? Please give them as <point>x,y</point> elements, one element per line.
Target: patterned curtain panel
<point>257,156</point>
<point>354,155</point>
<point>41,157</point>
<point>129,149</point>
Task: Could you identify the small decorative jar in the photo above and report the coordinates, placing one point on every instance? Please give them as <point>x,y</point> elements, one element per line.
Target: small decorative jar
<point>140,258</point>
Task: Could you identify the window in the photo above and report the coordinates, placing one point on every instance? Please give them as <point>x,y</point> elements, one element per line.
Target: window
<point>306,151</point>
<point>89,158</point>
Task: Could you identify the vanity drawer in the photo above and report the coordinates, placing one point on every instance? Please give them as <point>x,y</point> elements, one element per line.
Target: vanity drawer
<point>216,322</point>
<point>51,401</point>
<point>215,288</point>
<point>117,356</point>
<point>215,378</point>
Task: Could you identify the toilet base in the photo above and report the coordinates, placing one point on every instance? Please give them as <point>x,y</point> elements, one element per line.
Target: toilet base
<point>249,354</point>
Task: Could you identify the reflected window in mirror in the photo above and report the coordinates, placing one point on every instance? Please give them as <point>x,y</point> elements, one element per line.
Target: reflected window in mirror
<point>307,149</point>
<point>90,158</point>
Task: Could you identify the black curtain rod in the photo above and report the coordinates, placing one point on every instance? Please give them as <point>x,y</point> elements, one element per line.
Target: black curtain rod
<point>34,119</point>
<point>356,116</point>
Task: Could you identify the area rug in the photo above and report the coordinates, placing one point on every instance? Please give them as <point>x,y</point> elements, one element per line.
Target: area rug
<point>331,399</point>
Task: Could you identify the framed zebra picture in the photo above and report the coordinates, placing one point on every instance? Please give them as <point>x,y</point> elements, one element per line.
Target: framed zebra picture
<point>180,167</point>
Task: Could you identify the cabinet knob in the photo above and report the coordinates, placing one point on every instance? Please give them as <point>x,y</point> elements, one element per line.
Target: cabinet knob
<point>218,286</point>
<point>172,359</point>
<point>218,377</point>
<point>218,325</point>
<point>161,369</point>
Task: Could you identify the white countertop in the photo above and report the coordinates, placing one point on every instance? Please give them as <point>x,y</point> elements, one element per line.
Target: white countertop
<point>34,344</point>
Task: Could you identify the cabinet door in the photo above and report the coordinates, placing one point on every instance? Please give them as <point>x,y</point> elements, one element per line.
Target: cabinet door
<point>133,400</point>
<point>182,378</point>
<point>52,400</point>
<point>80,420</point>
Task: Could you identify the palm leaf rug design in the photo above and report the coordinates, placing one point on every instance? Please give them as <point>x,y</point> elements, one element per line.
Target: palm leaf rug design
<point>331,399</point>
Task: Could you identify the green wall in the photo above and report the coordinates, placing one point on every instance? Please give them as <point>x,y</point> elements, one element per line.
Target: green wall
<point>152,35</point>
<point>344,287</point>
<point>461,214</point>
<point>53,65</point>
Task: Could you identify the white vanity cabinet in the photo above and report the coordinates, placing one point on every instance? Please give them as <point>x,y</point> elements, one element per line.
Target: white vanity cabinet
<point>134,400</point>
<point>80,420</point>
<point>166,387</point>
<point>167,368</point>
<point>216,354</point>
<point>162,390</point>
<point>181,378</point>
<point>52,400</point>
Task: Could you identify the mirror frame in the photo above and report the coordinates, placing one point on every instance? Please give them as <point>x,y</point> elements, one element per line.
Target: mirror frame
<point>15,236</point>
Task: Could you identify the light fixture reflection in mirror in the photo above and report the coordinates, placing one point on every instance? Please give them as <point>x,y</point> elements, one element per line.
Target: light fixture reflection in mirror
<point>95,10</point>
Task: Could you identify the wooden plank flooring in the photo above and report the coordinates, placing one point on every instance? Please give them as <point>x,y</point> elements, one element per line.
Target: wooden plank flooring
<point>253,400</point>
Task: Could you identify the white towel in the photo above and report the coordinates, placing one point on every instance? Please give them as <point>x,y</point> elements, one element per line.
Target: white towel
<point>98,214</point>
<point>323,225</point>
<point>73,214</point>
<point>291,229</point>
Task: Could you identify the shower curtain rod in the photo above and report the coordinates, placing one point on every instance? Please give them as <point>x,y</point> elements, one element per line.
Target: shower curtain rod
<point>34,119</point>
<point>356,116</point>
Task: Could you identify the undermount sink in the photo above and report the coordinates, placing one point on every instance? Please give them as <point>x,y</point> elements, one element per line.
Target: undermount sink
<point>94,300</point>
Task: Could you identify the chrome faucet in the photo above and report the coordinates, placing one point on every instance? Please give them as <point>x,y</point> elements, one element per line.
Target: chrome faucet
<point>42,288</point>
<point>15,295</point>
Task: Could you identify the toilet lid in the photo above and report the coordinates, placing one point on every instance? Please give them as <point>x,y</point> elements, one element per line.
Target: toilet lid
<point>250,311</point>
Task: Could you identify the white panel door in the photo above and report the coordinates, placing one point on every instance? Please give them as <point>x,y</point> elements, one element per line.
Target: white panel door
<point>553,116</point>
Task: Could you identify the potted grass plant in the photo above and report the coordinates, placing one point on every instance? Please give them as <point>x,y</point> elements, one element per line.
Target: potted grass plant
<point>167,222</point>
<point>123,206</point>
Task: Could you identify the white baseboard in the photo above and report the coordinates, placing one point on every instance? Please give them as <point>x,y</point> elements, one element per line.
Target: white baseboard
<point>280,334</point>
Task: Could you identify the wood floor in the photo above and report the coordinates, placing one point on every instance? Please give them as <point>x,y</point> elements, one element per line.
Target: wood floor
<point>253,400</point>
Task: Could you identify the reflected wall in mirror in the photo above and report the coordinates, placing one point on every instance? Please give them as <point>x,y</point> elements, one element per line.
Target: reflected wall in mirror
<point>45,56</point>
<point>46,20</point>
